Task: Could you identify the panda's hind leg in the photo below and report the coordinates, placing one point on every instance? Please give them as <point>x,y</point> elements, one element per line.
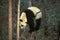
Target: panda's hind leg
<point>32,24</point>
<point>38,23</point>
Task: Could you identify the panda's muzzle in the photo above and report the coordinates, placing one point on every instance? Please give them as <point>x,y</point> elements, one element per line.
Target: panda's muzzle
<point>22,27</point>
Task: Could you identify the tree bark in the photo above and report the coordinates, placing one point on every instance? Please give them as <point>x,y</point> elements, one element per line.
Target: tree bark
<point>10,21</point>
<point>18,14</point>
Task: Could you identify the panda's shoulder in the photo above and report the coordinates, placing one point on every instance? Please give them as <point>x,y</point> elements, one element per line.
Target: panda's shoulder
<point>34,9</point>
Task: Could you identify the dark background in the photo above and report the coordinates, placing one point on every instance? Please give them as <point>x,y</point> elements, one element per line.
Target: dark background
<point>50,26</point>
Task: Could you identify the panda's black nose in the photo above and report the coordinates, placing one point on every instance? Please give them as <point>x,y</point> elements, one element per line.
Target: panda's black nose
<point>21,25</point>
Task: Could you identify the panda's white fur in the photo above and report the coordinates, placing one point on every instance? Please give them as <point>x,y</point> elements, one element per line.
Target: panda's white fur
<point>37,12</point>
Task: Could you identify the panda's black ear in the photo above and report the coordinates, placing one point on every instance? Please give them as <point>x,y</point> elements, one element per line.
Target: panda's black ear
<point>21,20</point>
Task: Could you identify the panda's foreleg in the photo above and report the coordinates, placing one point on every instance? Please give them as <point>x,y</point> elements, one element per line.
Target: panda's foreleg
<point>38,23</point>
<point>32,24</point>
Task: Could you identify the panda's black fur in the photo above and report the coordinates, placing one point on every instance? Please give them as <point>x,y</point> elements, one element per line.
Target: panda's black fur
<point>33,23</point>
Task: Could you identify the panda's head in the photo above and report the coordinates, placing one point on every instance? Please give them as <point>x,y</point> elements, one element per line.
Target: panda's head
<point>23,20</point>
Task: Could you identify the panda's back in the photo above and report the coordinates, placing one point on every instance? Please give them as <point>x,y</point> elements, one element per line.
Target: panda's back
<point>37,12</point>
<point>34,9</point>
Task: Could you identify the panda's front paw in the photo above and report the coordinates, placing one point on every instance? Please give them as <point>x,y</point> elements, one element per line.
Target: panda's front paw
<point>30,31</point>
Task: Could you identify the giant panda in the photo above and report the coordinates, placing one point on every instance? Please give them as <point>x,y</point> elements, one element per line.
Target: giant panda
<point>31,16</point>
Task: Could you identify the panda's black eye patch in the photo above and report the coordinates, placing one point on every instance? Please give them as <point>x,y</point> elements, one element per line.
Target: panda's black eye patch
<point>26,22</point>
<point>21,20</point>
